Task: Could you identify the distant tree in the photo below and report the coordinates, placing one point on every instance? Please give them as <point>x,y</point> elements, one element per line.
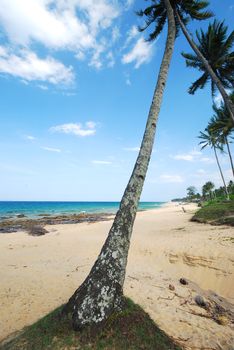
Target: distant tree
<point>215,48</point>
<point>191,192</point>
<point>221,125</point>
<point>198,195</point>
<point>230,187</point>
<point>210,139</point>
<point>220,192</point>
<point>207,189</point>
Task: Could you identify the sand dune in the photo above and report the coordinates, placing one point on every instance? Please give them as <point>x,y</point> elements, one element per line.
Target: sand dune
<point>40,273</point>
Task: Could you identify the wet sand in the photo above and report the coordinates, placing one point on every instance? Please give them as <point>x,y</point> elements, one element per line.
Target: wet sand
<point>40,273</point>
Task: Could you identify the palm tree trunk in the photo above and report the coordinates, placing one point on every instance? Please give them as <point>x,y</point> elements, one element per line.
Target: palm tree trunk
<point>215,79</point>
<point>221,173</point>
<point>101,292</point>
<point>230,155</point>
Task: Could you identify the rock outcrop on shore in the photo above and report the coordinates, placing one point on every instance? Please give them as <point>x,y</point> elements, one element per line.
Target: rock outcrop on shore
<point>21,223</point>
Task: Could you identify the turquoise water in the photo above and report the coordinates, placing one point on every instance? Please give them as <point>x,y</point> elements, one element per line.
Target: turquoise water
<point>33,209</point>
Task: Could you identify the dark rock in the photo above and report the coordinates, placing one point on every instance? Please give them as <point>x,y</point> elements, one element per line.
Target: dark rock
<point>20,216</point>
<point>171,287</point>
<point>200,301</point>
<point>37,230</point>
<point>183,281</point>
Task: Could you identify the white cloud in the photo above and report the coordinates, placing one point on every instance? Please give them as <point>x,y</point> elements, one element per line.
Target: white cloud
<point>218,99</point>
<point>30,137</point>
<point>111,60</point>
<point>76,129</point>
<point>90,125</point>
<point>191,156</point>
<point>50,149</point>
<point>129,3</point>
<point>128,82</point>
<point>187,157</point>
<point>28,66</point>
<point>171,178</point>
<point>207,160</point>
<point>127,79</point>
<point>132,149</point>
<point>132,33</point>
<point>73,25</point>
<point>63,24</point>
<point>115,34</point>
<point>141,53</point>
<point>104,162</point>
<point>43,87</point>
<point>201,171</point>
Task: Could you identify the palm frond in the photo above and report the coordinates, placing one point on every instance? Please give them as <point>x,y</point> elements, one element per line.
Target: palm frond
<point>199,83</point>
<point>215,46</point>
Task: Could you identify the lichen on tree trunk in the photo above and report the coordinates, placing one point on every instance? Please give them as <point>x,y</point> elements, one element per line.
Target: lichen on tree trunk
<point>101,292</point>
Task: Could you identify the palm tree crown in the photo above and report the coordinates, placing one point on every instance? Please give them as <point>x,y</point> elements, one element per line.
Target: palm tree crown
<point>188,9</point>
<point>216,47</point>
<point>209,138</point>
<point>221,123</point>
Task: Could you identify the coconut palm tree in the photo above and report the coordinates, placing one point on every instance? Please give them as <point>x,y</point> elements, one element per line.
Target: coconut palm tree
<point>210,139</point>
<point>181,9</point>
<point>207,188</point>
<point>216,48</point>
<point>191,192</point>
<point>221,125</point>
<point>101,292</point>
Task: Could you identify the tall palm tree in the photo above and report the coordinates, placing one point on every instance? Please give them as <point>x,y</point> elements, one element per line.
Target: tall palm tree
<point>216,47</point>
<point>101,292</point>
<point>222,126</point>
<point>210,139</point>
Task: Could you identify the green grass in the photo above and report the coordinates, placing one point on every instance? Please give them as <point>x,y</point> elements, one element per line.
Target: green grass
<point>130,329</point>
<point>216,212</point>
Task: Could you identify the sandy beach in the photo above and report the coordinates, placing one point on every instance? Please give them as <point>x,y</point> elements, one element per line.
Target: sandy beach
<point>40,273</point>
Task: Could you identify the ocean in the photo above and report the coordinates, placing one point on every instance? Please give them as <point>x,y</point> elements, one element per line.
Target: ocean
<point>33,209</point>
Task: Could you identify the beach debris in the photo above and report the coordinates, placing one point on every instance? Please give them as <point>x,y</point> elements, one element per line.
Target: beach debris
<point>183,209</point>
<point>221,319</point>
<point>171,287</point>
<point>21,216</point>
<point>200,301</point>
<point>183,281</point>
<point>37,230</point>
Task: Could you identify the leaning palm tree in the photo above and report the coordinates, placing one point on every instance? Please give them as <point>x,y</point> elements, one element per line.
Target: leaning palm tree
<point>210,139</point>
<point>222,126</point>
<point>101,292</point>
<point>216,48</point>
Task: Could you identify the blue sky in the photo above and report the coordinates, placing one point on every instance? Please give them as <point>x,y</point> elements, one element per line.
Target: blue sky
<point>76,82</point>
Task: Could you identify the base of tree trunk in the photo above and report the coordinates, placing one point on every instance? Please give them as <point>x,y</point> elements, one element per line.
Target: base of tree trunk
<point>93,303</point>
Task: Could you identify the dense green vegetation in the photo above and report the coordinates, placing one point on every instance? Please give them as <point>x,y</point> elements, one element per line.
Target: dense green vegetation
<point>216,212</point>
<point>130,329</point>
